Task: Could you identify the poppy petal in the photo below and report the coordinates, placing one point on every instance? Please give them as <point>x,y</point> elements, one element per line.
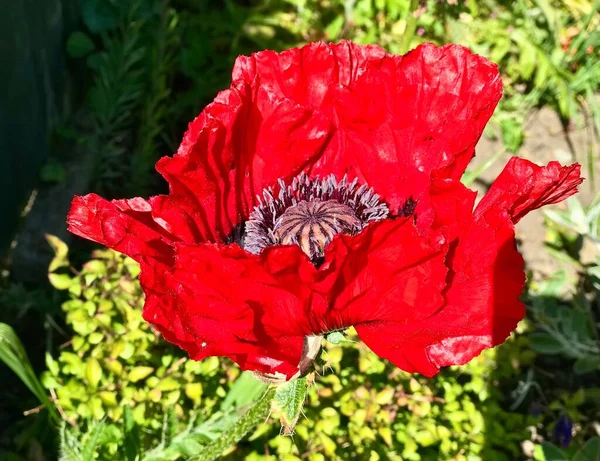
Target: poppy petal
<point>232,151</point>
<point>482,300</point>
<point>389,272</point>
<point>212,303</point>
<point>123,225</point>
<point>484,283</point>
<point>396,118</point>
<point>524,186</point>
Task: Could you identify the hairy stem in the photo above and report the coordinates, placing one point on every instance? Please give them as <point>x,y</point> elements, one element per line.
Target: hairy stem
<point>411,26</point>
<point>255,415</point>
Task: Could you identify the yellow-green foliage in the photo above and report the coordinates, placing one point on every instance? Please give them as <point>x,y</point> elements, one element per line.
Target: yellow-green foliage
<point>115,359</point>
<point>362,407</point>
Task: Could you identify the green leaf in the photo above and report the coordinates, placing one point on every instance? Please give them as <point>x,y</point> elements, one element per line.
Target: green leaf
<point>335,337</point>
<point>108,398</point>
<point>554,285</point>
<point>60,281</point>
<point>512,134</point>
<point>70,447</point>
<point>52,365</point>
<point>551,452</point>
<point>333,29</point>
<point>527,59</point>
<point>53,172</point>
<point>501,49</point>
<point>589,452</point>
<point>245,390</point>
<point>93,372</point>
<point>586,364</point>
<point>289,399</point>
<point>95,338</point>
<point>545,344</point>
<point>61,252</point>
<point>187,447</point>
<point>132,442</point>
<point>79,45</point>
<point>95,266</point>
<point>99,15</point>
<point>169,428</point>
<point>194,392</point>
<point>579,326</point>
<point>92,440</point>
<point>168,384</point>
<point>469,177</point>
<point>139,373</point>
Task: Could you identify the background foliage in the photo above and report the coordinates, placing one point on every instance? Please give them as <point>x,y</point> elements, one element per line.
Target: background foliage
<point>143,70</point>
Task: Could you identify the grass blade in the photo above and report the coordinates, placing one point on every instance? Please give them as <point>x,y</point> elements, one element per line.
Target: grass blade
<point>13,354</point>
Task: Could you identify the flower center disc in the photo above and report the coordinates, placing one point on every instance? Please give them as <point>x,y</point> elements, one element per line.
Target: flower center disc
<point>312,225</point>
<point>309,212</point>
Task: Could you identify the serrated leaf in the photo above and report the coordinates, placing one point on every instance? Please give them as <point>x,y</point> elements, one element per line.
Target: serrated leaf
<point>579,326</point>
<point>187,447</point>
<point>289,400</point>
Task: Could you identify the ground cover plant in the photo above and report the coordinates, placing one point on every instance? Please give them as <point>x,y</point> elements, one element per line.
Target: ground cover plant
<point>111,388</point>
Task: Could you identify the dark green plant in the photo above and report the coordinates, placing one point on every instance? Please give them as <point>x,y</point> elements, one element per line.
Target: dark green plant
<point>129,53</point>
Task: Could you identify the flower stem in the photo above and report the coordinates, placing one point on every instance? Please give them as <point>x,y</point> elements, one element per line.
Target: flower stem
<point>255,415</point>
<point>411,26</point>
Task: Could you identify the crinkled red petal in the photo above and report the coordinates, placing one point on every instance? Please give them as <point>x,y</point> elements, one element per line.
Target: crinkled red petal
<point>123,225</point>
<point>213,300</point>
<point>481,307</point>
<point>485,277</point>
<point>524,186</point>
<point>389,272</point>
<point>232,151</point>
<point>396,118</point>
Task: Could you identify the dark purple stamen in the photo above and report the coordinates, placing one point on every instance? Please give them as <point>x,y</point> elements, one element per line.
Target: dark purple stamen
<point>264,226</point>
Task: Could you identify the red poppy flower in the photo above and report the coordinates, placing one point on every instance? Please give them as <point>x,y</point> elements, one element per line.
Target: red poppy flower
<point>322,190</point>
